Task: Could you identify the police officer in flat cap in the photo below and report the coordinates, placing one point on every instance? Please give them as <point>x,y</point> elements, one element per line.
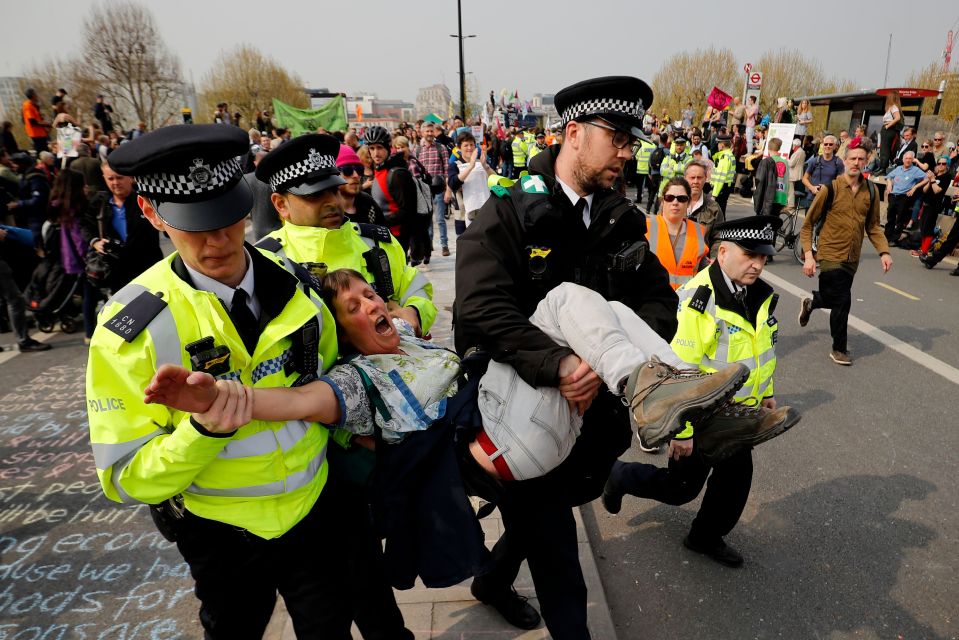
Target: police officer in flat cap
<point>561,223</point>
<point>674,164</point>
<point>246,501</point>
<point>726,314</point>
<point>724,173</point>
<point>305,180</point>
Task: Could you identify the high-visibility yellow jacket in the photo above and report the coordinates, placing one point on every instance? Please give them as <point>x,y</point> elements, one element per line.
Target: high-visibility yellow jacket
<point>720,335</point>
<point>520,149</point>
<point>534,150</point>
<point>343,248</point>
<point>642,157</point>
<point>672,167</point>
<point>266,476</point>
<point>725,171</point>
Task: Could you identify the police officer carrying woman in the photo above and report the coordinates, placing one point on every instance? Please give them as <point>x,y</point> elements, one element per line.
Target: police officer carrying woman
<point>251,507</point>
<point>561,223</point>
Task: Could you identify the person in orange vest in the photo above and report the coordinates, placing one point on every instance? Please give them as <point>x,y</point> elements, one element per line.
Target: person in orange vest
<point>678,242</point>
<point>36,128</point>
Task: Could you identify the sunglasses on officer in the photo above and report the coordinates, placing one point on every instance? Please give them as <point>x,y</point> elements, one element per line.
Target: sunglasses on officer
<point>349,169</point>
<point>669,197</point>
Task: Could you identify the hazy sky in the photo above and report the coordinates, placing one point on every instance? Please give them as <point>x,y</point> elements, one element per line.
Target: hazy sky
<point>393,48</point>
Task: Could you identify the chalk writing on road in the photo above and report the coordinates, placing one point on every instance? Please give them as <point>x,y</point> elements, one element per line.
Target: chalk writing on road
<point>74,565</point>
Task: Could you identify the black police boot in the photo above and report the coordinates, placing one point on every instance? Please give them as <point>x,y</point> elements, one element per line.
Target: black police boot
<point>514,608</point>
<point>716,550</point>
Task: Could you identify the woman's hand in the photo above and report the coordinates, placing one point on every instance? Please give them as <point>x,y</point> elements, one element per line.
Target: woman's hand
<point>181,389</point>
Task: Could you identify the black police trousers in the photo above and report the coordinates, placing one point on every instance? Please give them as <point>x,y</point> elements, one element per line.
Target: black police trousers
<point>538,523</point>
<point>238,574</point>
<point>727,488</point>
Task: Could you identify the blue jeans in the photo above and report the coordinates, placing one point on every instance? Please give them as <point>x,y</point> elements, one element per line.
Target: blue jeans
<point>439,214</point>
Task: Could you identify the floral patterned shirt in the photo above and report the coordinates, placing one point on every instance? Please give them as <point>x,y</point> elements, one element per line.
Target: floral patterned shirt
<point>413,385</point>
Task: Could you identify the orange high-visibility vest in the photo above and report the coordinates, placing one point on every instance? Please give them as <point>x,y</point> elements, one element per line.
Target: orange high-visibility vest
<point>693,251</point>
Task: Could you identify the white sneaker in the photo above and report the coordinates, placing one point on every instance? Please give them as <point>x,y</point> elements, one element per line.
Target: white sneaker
<point>646,449</point>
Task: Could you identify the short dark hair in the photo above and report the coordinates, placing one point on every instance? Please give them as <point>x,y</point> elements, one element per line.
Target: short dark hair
<point>678,181</point>
<point>465,136</point>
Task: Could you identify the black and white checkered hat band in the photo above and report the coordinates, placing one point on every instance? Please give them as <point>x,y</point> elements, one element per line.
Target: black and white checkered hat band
<point>605,105</point>
<point>197,180</point>
<point>311,164</point>
<point>765,234</point>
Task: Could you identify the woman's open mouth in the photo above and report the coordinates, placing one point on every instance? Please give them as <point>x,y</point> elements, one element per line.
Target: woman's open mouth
<point>383,326</point>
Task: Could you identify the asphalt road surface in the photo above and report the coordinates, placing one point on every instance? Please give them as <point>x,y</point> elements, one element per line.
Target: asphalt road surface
<point>850,529</point>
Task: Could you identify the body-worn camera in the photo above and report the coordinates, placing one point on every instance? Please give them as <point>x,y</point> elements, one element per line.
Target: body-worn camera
<point>629,258</point>
<point>206,357</point>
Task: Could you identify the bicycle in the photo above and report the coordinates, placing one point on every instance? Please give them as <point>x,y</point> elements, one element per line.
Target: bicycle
<point>788,233</point>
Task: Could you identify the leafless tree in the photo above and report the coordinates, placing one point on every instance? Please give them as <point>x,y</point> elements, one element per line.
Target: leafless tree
<point>123,50</point>
<point>248,80</point>
<point>689,76</point>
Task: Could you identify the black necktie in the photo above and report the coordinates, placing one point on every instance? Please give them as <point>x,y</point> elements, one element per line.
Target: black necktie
<point>580,207</point>
<point>740,296</point>
<point>244,320</point>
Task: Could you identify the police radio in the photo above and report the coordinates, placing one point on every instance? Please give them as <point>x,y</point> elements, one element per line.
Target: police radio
<point>629,258</point>
<point>378,264</point>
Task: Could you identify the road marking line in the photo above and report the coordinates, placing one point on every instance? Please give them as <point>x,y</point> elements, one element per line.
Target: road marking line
<point>895,290</point>
<point>890,341</point>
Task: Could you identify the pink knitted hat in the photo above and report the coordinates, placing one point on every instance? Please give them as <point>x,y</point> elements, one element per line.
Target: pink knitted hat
<point>347,156</point>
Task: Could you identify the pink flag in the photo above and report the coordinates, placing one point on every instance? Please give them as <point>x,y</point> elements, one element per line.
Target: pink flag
<point>718,99</point>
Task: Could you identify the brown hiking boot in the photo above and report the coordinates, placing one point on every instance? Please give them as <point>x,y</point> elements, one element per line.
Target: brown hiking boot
<point>737,425</point>
<point>662,397</point>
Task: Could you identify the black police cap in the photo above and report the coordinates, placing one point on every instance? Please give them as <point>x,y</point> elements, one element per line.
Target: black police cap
<point>191,173</point>
<point>302,166</point>
<point>621,100</point>
<point>752,233</point>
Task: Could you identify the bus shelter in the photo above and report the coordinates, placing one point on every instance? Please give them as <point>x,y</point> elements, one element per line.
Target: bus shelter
<point>848,110</point>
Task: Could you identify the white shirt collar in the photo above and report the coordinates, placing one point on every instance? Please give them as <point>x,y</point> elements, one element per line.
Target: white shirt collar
<point>733,287</point>
<point>225,292</point>
<point>574,198</point>
<point>699,203</point>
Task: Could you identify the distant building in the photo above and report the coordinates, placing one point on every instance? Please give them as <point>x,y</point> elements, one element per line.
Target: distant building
<point>319,97</point>
<point>435,99</point>
<point>394,110</point>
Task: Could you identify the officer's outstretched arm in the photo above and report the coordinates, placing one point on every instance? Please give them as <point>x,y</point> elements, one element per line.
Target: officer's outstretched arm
<point>144,452</point>
<point>196,392</point>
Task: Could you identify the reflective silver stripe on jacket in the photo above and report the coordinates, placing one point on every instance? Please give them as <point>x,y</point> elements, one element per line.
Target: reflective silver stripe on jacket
<point>162,329</point>
<point>107,455</point>
<point>266,442</point>
<point>293,482</point>
<point>416,288</point>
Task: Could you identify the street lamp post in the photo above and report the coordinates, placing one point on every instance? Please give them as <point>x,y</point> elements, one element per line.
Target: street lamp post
<point>460,36</point>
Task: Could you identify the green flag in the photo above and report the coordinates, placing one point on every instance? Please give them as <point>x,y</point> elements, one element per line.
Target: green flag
<point>331,116</point>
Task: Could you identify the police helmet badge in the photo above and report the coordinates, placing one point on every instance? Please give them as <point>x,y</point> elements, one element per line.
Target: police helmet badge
<point>200,173</point>
<point>315,160</point>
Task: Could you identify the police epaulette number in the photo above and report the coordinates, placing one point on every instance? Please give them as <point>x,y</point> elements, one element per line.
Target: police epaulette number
<point>273,245</point>
<point>132,319</point>
<point>700,299</point>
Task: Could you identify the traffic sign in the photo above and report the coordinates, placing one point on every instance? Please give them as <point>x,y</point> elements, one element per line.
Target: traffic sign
<point>748,67</point>
<point>756,78</point>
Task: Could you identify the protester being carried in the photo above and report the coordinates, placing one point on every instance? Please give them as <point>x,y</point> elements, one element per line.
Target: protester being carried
<point>629,357</point>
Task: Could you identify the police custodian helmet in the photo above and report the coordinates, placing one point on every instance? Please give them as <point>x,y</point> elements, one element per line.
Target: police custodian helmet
<point>191,173</point>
